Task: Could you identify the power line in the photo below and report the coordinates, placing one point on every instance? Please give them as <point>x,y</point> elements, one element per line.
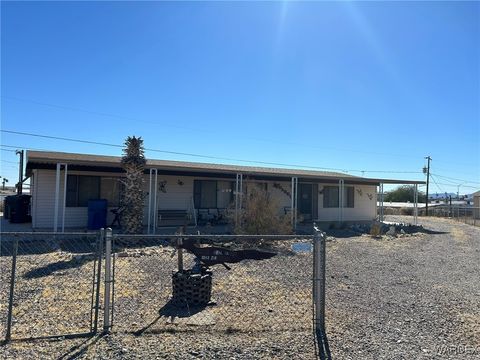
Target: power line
<point>11,162</point>
<point>206,156</point>
<point>467,181</point>
<point>435,182</point>
<point>467,186</point>
<point>106,114</point>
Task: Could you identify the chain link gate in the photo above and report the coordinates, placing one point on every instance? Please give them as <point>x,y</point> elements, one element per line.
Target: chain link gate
<point>50,284</point>
<point>283,293</point>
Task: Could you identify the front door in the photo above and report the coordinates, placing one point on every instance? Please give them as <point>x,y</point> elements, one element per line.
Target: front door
<point>305,201</point>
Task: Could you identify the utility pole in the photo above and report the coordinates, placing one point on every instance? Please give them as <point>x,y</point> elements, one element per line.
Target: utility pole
<point>20,172</point>
<point>427,170</point>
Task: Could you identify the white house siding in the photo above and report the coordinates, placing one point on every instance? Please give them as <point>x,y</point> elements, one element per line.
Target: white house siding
<point>178,195</point>
<point>283,200</point>
<point>44,201</point>
<point>364,208</point>
<point>174,196</point>
<point>33,193</point>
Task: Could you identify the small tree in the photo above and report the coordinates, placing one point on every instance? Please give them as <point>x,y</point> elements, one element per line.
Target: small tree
<point>404,193</point>
<point>133,162</point>
<point>260,215</point>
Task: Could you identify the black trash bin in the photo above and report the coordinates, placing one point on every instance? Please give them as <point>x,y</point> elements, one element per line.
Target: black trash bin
<point>97,214</point>
<point>19,208</point>
<point>6,207</point>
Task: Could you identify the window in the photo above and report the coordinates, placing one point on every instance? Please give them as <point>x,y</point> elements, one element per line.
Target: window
<point>82,188</point>
<point>212,194</point>
<point>205,194</point>
<point>110,189</point>
<point>224,193</point>
<point>331,198</point>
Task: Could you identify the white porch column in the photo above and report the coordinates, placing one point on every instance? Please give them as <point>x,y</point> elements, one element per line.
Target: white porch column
<point>341,188</point>
<point>155,210</point>
<point>415,205</point>
<point>294,201</point>
<point>57,194</point>
<point>238,195</point>
<point>149,216</point>
<point>57,197</point>
<point>381,201</point>
<point>64,196</point>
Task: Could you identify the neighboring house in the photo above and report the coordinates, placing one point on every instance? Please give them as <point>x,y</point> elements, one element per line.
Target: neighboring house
<point>196,189</point>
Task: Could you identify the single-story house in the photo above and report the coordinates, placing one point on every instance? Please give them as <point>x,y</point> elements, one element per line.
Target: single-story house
<point>63,183</point>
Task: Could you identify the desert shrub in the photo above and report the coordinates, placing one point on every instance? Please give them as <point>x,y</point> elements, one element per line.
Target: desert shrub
<point>406,211</point>
<point>260,215</point>
<point>376,229</point>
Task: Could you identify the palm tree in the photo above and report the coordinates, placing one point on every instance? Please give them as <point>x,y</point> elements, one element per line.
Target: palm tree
<point>133,162</point>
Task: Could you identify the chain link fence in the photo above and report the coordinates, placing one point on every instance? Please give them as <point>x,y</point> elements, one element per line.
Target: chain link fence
<point>465,214</point>
<point>72,284</point>
<point>271,294</point>
<point>48,283</point>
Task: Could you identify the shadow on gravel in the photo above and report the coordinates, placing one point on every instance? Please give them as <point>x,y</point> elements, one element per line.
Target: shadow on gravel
<point>433,232</point>
<point>322,345</point>
<point>57,266</point>
<point>172,310</point>
<point>81,349</point>
<point>49,337</point>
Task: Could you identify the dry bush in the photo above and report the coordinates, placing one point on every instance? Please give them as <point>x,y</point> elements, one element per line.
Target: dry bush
<point>260,215</point>
<point>406,211</point>
<point>376,229</point>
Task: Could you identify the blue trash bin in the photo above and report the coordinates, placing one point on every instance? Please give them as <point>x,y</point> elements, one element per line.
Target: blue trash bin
<point>97,214</point>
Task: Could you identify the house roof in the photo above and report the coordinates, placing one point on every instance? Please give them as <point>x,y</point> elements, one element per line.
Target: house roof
<point>48,160</point>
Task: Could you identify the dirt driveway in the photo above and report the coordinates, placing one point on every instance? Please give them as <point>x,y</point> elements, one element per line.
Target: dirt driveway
<point>406,298</point>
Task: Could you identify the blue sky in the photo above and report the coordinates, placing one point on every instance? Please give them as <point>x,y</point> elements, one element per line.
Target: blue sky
<point>371,87</point>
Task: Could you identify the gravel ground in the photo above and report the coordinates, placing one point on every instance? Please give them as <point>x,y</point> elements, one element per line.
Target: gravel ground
<point>404,297</point>
<point>408,297</point>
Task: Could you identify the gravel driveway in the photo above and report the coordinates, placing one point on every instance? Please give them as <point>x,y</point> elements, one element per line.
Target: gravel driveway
<point>407,297</point>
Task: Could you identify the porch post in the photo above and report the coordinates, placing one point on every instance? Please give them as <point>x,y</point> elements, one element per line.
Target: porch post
<point>381,201</point>
<point>149,217</point>
<point>415,205</point>
<point>155,211</point>
<point>340,200</point>
<point>236,199</point>
<point>294,199</point>
<point>241,191</point>
<point>57,193</point>
<point>64,196</point>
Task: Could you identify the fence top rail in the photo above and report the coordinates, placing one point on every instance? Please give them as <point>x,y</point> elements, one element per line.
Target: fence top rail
<point>214,236</point>
<point>46,233</point>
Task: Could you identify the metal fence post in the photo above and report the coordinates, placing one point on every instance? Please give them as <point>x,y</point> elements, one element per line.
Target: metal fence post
<point>8,335</point>
<point>99,256</point>
<point>108,280</point>
<point>319,257</point>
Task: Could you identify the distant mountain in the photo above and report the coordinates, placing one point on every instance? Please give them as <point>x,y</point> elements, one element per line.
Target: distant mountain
<point>436,196</point>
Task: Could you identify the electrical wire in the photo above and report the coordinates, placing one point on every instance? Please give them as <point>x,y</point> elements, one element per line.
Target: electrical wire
<point>435,182</point>
<point>207,156</point>
<point>129,118</point>
<point>466,181</point>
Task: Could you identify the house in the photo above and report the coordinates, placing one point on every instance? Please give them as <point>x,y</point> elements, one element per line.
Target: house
<point>63,183</point>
